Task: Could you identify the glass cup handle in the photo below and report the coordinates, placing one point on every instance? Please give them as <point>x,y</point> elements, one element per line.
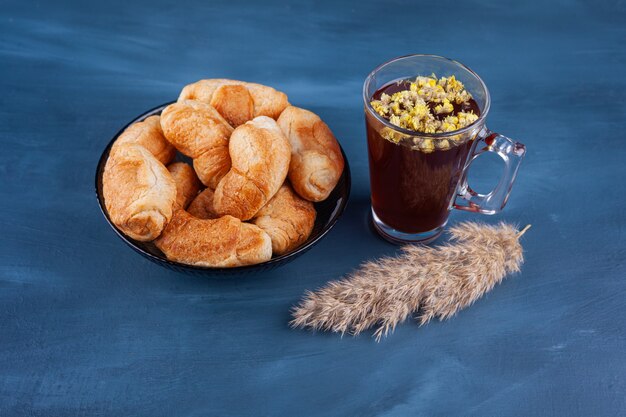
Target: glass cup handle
<point>512,154</point>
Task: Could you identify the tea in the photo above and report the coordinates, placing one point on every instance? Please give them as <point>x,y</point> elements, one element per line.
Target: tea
<point>413,184</point>
<point>422,134</point>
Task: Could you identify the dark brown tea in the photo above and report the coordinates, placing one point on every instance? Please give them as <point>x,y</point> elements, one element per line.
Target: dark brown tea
<point>412,189</point>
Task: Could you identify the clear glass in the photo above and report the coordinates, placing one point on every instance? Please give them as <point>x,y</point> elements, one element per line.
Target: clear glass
<point>417,178</point>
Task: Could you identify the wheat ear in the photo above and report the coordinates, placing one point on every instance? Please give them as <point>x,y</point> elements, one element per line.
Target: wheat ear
<point>436,281</point>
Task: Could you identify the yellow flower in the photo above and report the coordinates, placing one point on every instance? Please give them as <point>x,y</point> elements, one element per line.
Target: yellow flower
<point>422,81</point>
<point>448,127</point>
<point>380,108</point>
<point>466,119</point>
<point>444,107</point>
<point>432,125</point>
<point>427,145</point>
<point>412,108</point>
<point>452,120</point>
<point>452,85</point>
<point>421,110</point>
<point>442,144</point>
<point>391,135</point>
<point>460,97</point>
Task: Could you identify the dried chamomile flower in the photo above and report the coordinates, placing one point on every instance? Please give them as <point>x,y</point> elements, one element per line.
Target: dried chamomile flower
<point>451,84</point>
<point>432,126</point>
<point>458,139</point>
<point>421,106</point>
<point>442,144</point>
<point>392,135</point>
<point>433,93</point>
<point>380,107</point>
<point>423,81</point>
<point>450,124</point>
<point>427,145</point>
<point>461,97</point>
<point>395,120</point>
<point>466,119</point>
<point>444,107</point>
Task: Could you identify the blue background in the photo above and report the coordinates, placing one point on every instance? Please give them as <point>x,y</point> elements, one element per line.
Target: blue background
<point>88,327</point>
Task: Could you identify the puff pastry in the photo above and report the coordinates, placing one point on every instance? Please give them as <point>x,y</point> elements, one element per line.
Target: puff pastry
<point>138,191</point>
<point>149,135</point>
<point>187,184</point>
<point>287,219</point>
<point>202,206</point>
<point>260,156</point>
<point>223,242</point>
<point>316,159</point>
<point>237,101</point>
<point>197,130</point>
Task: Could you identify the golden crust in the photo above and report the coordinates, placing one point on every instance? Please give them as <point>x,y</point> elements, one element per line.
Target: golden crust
<point>149,135</point>
<point>194,127</point>
<point>287,219</point>
<point>223,242</point>
<point>260,155</point>
<point>316,159</point>
<point>212,165</point>
<point>197,130</point>
<point>187,183</point>
<point>202,206</point>
<point>233,103</point>
<point>139,192</point>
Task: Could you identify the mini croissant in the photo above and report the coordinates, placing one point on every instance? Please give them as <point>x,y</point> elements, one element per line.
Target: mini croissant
<point>200,132</point>
<point>223,242</point>
<point>316,159</point>
<point>139,192</point>
<point>148,134</point>
<point>260,156</point>
<point>287,218</point>
<point>237,101</point>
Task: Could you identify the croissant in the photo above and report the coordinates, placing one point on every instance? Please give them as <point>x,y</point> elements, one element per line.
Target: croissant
<point>316,159</point>
<point>237,101</point>
<point>260,156</point>
<point>138,191</point>
<point>202,206</point>
<point>187,183</point>
<point>149,135</point>
<point>223,242</point>
<point>287,219</point>
<point>197,130</point>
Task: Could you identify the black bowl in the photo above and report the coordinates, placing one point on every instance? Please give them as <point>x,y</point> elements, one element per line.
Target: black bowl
<point>328,212</point>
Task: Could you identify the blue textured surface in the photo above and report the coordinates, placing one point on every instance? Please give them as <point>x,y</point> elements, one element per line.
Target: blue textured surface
<point>89,328</point>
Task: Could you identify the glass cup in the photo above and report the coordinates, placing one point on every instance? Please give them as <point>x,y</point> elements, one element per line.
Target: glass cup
<point>417,178</point>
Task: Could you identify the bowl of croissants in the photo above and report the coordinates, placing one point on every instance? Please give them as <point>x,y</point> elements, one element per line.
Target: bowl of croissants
<point>229,178</point>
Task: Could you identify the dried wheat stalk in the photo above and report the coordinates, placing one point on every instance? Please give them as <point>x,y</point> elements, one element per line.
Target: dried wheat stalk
<point>437,281</point>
